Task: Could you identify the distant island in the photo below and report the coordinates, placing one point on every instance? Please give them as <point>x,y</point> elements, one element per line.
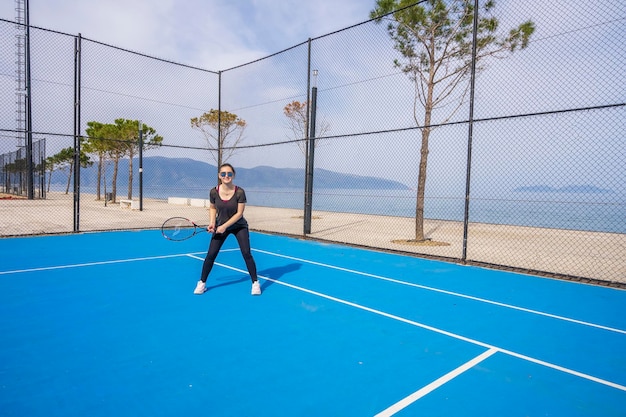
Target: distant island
<point>186,173</point>
<point>581,189</point>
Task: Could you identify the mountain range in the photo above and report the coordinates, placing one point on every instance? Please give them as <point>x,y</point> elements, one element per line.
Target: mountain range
<point>185,172</point>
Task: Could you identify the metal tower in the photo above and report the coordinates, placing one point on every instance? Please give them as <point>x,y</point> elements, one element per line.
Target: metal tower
<point>20,71</point>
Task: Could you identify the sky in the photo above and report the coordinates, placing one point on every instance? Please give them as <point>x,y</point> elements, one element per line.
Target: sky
<point>575,61</point>
<point>213,34</point>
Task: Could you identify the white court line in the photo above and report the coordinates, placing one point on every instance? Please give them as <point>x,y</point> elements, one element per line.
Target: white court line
<point>434,329</point>
<point>117,261</point>
<point>405,402</point>
<point>456,294</point>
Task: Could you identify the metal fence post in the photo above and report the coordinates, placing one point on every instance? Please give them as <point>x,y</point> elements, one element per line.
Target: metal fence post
<point>308,192</point>
<point>77,44</point>
<point>470,134</point>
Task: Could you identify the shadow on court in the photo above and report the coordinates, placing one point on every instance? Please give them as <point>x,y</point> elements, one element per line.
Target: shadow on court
<point>225,281</point>
<point>277,273</point>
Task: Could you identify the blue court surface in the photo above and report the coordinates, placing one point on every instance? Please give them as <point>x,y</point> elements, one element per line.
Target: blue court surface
<point>106,324</point>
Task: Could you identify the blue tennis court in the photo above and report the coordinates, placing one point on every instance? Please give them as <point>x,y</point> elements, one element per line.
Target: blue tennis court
<point>104,324</point>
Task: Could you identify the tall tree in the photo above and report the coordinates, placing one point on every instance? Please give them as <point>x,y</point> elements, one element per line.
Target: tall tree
<point>65,162</point>
<point>297,121</point>
<point>98,143</point>
<point>52,164</point>
<point>434,39</point>
<point>114,141</point>
<point>128,132</point>
<point>222,131</point>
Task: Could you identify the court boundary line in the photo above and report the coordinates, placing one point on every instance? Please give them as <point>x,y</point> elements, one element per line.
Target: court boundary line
<point>410,399</point>
<point>435,329</point>
<point>95,263</point>
<point>456,294</point>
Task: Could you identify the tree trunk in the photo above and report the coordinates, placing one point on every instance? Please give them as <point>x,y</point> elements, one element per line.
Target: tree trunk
<point>421,187</point>
<point>130,177</point>
<point>100,165</point>
<point>114,180</point>
<point>69,178</point>
<point>49,180</point>
<point>421,179</point>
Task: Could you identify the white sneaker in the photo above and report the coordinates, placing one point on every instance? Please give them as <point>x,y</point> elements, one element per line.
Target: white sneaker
<point>200,288</point>
<point>256,288</point>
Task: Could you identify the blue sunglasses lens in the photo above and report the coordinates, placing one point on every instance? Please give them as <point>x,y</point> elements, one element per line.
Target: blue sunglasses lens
<point>223,174</point>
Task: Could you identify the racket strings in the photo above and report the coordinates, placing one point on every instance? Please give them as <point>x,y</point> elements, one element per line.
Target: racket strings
<point>178,228</point>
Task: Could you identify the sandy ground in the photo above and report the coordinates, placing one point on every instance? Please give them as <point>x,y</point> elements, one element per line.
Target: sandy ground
<point>590,256</point>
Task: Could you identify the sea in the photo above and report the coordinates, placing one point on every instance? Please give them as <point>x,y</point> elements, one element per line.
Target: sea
<point>600,212</point>
<point>573,211</point>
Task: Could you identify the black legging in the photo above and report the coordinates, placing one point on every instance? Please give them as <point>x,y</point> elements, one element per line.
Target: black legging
<point>243,238</point>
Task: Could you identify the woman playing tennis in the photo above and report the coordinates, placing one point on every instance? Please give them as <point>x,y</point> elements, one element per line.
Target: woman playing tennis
<point>227,203</point>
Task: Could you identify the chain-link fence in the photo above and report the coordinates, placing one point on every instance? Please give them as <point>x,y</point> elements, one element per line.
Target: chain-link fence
<point>521,166</point>
<point>15,169</point>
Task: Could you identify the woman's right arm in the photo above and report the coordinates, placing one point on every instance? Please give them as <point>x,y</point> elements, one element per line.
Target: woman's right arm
<point>212,217</point>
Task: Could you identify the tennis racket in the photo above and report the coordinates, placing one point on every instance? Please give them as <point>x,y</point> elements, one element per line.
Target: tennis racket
<point>180,228</point>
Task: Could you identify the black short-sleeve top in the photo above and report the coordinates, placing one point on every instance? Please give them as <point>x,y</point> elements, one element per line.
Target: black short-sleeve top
<point>228,208</point>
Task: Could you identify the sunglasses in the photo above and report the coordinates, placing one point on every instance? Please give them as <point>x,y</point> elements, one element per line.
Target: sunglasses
<point>224,174</point>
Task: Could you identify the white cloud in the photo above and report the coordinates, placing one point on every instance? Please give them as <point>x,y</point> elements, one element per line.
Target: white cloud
<point>215,34</point>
